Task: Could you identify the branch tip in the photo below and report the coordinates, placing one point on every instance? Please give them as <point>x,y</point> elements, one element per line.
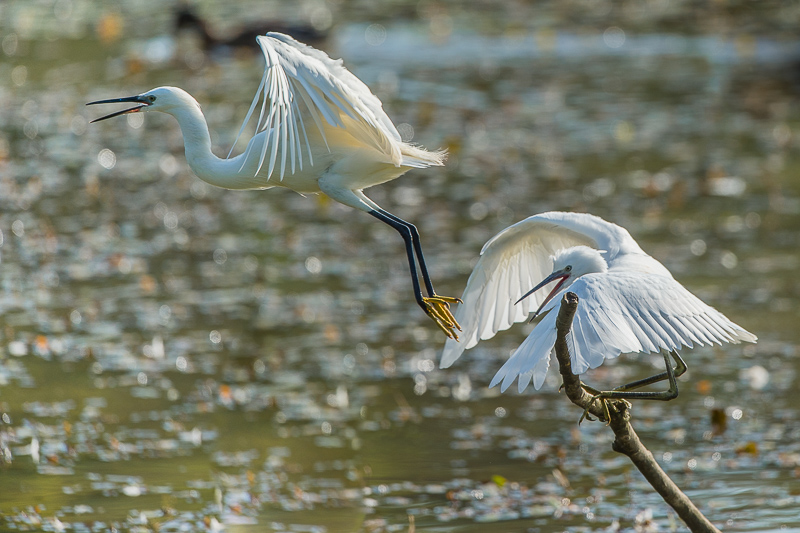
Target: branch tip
<point>627,441</point>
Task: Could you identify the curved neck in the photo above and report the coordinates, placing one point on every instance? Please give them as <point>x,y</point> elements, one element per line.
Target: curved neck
<point>197,144</point>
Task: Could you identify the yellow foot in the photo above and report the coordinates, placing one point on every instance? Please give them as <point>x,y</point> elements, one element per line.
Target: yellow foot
<point>604,404</point>
<point>601,396</point>
<point>438,308</point>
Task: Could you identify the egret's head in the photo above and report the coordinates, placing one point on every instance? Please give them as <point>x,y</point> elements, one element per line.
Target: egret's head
<point>579,260</point>
<point>164,99</point>
<point>568,265</point>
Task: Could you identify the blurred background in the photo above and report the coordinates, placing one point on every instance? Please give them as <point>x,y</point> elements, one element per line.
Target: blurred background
<point>177,357</point>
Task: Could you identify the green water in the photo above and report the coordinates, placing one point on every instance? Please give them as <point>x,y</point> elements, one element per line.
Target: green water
<point>186,356</point>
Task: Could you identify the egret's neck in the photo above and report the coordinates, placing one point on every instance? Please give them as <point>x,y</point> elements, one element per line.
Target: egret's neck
<point>197,143</point>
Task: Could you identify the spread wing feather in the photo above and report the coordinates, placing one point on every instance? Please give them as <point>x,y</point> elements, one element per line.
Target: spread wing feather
<point>620,312</point>
<point>298,74</point>
<point>514,261</point>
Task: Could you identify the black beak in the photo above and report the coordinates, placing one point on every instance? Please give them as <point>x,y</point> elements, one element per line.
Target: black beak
<point>557,275</point>
<point>138,99</point>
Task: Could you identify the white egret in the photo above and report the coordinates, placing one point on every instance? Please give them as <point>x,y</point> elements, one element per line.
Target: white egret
<point>319,130</point>
<point>629,302</point>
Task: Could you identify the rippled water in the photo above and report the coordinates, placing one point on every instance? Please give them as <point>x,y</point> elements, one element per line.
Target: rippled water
<point>180,357</point>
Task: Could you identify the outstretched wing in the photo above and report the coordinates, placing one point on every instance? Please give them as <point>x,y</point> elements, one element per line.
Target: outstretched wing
<point>514,261</point>
<point>620,312</point>
<point>298,75</point>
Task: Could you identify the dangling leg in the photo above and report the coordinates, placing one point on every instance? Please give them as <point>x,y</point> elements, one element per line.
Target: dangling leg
<point>436,307</point>
<point>444,301</point>
<point>626,392</point>
<point>417,250</point>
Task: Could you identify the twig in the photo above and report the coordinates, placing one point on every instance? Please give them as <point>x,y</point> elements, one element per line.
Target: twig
<point>627,441</point>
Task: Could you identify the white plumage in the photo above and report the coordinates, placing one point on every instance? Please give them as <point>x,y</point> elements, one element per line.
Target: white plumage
<point>298,80</point>
<point>319,129</point>
<point>629,302</point>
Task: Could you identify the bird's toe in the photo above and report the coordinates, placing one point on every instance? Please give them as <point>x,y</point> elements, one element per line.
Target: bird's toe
<point>439,311</point>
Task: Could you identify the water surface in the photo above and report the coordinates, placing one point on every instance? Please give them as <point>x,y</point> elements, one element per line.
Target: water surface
<point>179,357</point>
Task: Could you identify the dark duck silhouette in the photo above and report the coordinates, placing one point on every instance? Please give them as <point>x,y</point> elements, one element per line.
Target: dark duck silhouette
<point>186,19</point>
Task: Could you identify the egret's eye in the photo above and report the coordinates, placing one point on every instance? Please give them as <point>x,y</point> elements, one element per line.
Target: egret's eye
<point>151,98</point>
<point>568,268</point>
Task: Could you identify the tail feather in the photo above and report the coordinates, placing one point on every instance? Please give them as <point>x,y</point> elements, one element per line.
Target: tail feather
<point>416,157</point>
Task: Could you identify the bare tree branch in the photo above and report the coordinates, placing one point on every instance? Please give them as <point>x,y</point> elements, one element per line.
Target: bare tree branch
<point>627,441</point>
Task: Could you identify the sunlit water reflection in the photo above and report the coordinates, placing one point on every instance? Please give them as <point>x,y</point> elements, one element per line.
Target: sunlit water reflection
<point>182,357</point>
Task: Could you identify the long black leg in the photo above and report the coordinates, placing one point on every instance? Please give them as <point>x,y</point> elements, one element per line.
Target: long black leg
<point>415,239</point>
<point>402,227</point>
<point>436,307</point>
<point>680,369</point>
<point>625,392</point>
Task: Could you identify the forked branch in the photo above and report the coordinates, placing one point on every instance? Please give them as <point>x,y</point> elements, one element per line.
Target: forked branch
<point>626,440</point>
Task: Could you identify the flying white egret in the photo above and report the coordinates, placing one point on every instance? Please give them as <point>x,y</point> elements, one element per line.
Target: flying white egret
<point>319,130</point>
<point>629,302</point>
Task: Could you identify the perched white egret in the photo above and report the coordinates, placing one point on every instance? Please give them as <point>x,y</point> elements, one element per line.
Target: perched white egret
<point>319,130</point>
<point>629,302</point>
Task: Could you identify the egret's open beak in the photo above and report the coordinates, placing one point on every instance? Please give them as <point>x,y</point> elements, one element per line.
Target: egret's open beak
<point>557,275</point>
<point>138,99</point>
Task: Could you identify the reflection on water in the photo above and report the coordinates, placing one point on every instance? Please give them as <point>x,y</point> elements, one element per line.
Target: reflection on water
<point>182,357</point>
